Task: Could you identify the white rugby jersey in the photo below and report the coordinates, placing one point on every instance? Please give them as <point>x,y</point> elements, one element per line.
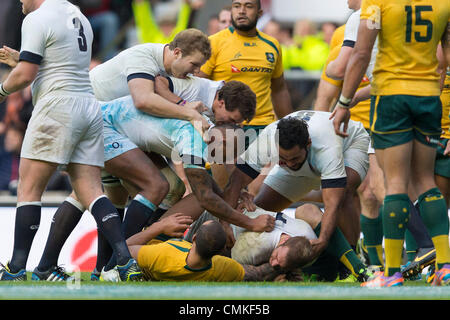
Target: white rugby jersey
<point>351,35</point>
<point>325,159</point>
<point>196,89</point>
<point>110,79</point>
<point>58,37</point>
<point>255,248</point>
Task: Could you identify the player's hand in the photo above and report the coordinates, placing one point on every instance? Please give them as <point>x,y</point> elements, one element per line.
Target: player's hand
<point>9,56</point>
<point>263,223</point>
<point>230,234</point>
<point>246,202</point>
<point>340,115</point>
<point>175,225</point>
<point>447,149</point>
<point>197,106</point>
<point>318,245</point>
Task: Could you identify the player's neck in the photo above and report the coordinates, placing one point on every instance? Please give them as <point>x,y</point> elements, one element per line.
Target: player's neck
<point>250,33</point>
<point>167,59</point>
<point>194,261</point>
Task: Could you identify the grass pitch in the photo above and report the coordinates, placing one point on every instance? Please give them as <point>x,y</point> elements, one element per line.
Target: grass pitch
<point>89,290</point>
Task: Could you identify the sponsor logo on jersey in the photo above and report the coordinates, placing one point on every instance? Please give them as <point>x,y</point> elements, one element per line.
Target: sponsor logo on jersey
<point>235,69</point>
<point>248,44</point>
<point>236,56</point>
<point>256,69</point>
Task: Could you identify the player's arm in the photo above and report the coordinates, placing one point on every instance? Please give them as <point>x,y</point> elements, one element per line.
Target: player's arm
<point>147,100</point>
<point>332,199</point>
<point>174,226</point>
<point>327,95</point>
<point>336,68</point>
<point>356,68</point>
<point>281,98</point>
<point>238,180</point>
<point>263,272</point>
<point>445,41</point>
<point>361,95</point>
<point>19,78</point>
<point>162,88</point>
<point>203,186</point>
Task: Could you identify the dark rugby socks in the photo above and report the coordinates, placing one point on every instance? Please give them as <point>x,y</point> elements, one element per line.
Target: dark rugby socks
<point>63,223</point>
<point>137,215</point>
<point>28,217</point>
<point>109,224</point>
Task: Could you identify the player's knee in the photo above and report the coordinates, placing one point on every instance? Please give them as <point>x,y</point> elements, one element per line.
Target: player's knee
<point>309,213</point>
<point>176,187</point>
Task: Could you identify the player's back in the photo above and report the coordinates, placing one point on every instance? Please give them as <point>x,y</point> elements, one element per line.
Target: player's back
<point>410,32</point>
<point>62,36</point>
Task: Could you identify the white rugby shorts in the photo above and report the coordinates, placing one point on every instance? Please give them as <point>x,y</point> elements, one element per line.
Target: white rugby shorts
<point>65,129</point>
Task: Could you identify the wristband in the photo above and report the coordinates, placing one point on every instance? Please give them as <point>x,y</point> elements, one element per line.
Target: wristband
<point>3,92</point>
<point>182,102</point>
<point>344,102</point>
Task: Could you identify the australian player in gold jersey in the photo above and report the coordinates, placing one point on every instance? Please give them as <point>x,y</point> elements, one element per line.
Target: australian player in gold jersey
<point>174,259</point>
<point>242,52</point>
<point>405,118</point>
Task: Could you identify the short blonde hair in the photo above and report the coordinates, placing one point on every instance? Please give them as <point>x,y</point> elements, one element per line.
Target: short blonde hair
<point>191,40</point>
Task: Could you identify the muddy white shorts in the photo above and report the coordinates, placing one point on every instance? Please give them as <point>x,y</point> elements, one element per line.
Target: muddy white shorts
<point>65,129</point>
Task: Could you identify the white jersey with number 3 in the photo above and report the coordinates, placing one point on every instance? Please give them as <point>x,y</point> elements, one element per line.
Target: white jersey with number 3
<point>58,37</point>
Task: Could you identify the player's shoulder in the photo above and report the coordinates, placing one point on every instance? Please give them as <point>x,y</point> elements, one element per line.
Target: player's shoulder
<point>222,36</point>
<point>269,40</point>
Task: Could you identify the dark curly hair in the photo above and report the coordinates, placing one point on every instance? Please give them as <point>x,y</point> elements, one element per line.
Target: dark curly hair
<point>292,131</point>
<point>238,95</point>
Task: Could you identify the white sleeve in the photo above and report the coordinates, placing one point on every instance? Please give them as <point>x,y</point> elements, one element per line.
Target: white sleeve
<point>138,64</point>
<point>351,29</point>
<point>261,152</point>
<point>34,39</point>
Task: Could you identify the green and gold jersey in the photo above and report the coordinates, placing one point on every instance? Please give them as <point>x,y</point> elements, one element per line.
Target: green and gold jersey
<point>166,261</point>
<point>253,60</point>
<point>410,32</point>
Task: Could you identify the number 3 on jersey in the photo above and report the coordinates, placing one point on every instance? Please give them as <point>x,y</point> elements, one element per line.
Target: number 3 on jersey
<point>82,43</point>
<point>419,21</point>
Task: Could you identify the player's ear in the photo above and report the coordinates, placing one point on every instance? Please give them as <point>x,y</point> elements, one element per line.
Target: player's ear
<point>177,52</point>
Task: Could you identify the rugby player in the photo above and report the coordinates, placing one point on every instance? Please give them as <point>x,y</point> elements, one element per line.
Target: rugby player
<point>65,129</point>
<point>308,155</point>
<point>173,259</point>
<point>405,118</point>
<point>244,53</point>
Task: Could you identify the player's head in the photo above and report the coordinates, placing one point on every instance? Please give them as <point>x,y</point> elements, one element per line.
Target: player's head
<point>294,253</point>
<point>223,143</point>
<point>30,5</point>
<point>210,239</point>
<point>190,48</point>
<point>245,14</point>
<point>224,17</point>
<point>293,142</point>
<point>234,102</point>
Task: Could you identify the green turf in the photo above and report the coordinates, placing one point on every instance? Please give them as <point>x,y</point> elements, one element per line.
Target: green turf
<point>87,289</point>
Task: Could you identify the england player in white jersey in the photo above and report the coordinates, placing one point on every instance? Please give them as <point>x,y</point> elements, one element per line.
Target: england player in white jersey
<point>127,129</point>
<point>308,155</point>
<point>288,246</point>
<point>133,71</point>
<point>65,129</point>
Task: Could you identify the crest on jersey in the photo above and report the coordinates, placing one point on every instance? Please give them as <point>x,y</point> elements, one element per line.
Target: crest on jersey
<point>270,57</point>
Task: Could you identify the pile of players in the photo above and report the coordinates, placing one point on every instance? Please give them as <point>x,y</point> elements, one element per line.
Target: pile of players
<point>213,116</point>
